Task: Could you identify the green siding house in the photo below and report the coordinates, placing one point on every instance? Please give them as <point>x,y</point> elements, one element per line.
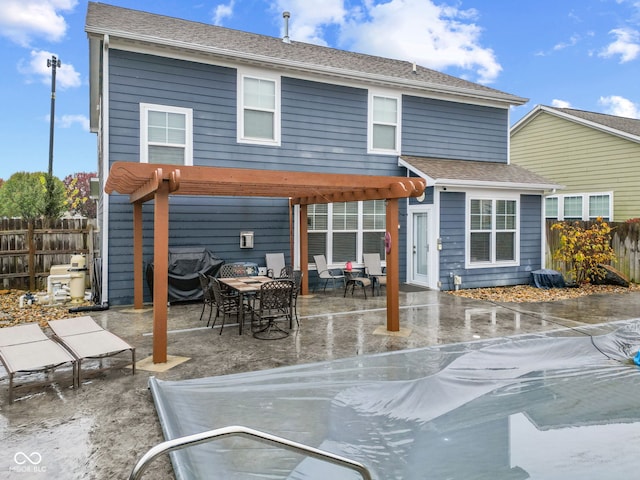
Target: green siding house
<point>595,156</point>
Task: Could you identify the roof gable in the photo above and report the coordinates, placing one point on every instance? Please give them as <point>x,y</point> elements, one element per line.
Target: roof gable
<point>624,127</point>
<point>134,25</point>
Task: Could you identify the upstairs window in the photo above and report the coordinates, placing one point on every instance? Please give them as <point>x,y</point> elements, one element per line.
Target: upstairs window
<point>166,134</point>
<point>258,110</point>
<point>384,124</point>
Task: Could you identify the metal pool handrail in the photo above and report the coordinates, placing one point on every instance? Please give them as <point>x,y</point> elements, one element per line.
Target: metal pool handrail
<point>232,431</point>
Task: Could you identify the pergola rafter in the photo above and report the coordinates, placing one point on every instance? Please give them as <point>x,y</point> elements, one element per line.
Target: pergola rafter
<point>144,182</point>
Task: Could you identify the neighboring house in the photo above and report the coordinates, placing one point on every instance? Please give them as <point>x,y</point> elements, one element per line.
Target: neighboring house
<point>165,90</point>
<point>595,156</point>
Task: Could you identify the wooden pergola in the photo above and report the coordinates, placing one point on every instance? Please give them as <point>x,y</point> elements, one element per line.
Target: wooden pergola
<point>144,182</point>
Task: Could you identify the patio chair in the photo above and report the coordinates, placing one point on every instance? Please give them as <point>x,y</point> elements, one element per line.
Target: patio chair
<point>207,295</point>
<point>355,279</point>
<point>26,349</point>
<point>296,275</point>
<point>373,269</point>
<point>85,339</point>
<point>275,264</point>
<point>229,270</point>
<point>226,304</point>
<point>273,302</point>
<point>324,273</point>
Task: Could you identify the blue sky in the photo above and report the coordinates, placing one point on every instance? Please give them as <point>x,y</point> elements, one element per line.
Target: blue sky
<point>583,54</point>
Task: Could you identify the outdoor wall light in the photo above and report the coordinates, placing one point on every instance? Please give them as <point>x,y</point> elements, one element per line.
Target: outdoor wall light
<point>246,239</point>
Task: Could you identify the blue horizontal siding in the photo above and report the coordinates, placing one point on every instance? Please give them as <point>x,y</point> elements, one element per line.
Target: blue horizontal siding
<point>323,129</point>
<point>440,129</point>
<point>452,255</point>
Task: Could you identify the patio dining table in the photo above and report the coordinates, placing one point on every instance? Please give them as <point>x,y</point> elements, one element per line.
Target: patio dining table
<point>243,286</point>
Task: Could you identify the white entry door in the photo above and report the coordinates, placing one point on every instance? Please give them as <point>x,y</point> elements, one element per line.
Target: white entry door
<point>420,248</point>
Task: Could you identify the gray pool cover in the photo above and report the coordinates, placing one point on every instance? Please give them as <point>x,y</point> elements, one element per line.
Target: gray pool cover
<point>562,405</point>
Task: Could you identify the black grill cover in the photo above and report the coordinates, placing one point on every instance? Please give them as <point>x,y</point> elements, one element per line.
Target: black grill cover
<point>185,263</point>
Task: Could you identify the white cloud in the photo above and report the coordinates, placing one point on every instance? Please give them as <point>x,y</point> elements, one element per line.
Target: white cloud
<point>560,103</point>
<point>36,68</point>
<point>22,20</point>
<point>573,40</point>
<point>67,121</point>
<point>434,36</point>
<point>223,11</point>
<point>627,45</point>
<point>620,106</point>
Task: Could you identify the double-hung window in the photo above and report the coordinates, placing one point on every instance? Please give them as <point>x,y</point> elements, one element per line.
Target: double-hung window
<point>166,134</point>
<point>258,109</point>
<point>384,123</point>
<point>493,232</point>
<point>344,231</point>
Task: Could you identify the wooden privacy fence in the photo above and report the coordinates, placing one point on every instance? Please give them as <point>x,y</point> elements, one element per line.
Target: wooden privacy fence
<point>29,249</point>
<point>624,241</point>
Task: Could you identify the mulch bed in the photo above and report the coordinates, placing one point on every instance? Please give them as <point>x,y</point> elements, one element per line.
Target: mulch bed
<point>11,313</point>
<point>526,293</point>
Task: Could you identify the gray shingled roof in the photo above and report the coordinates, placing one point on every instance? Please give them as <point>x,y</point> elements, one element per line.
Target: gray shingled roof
<point>163,30</point>
<point>466,172</point>
<point>623,124</point>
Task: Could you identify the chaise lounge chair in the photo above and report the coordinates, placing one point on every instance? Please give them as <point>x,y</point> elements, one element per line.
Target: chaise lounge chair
<point>84,338</point>
<point>26,349</point>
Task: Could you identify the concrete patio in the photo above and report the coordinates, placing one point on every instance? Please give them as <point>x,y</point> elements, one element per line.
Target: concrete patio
<point>102,429</point>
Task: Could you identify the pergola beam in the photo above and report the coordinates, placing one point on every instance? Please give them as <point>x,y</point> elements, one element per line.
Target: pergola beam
<point>145,182</point>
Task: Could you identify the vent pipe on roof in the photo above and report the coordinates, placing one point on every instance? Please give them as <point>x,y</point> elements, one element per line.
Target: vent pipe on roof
<point>286,16</point>
<point>414,68</point>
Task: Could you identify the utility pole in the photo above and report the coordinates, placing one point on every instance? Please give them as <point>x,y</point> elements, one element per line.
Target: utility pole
<point>53,63</point>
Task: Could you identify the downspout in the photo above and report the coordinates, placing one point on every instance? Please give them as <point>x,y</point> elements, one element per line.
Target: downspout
<point>104,148</point>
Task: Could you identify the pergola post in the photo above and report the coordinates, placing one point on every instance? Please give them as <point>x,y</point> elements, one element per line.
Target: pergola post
<point>138,282</point>
<point>144,182</point>
<point>160,272</point>
<point>393,267</point>
<point>304,251</point>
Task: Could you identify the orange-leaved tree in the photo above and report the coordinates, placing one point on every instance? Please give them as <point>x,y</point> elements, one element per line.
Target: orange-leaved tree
<point>582,250</point>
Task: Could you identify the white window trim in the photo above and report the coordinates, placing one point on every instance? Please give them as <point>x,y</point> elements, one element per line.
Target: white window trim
<point>385,94</point>
<point>360,231</point>
<point>585,204</point>
<point>493,263</point>
<point>144,130</point>
<point>260,75</point>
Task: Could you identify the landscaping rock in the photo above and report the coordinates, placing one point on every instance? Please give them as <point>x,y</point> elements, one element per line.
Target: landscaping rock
<point>612,277</point>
